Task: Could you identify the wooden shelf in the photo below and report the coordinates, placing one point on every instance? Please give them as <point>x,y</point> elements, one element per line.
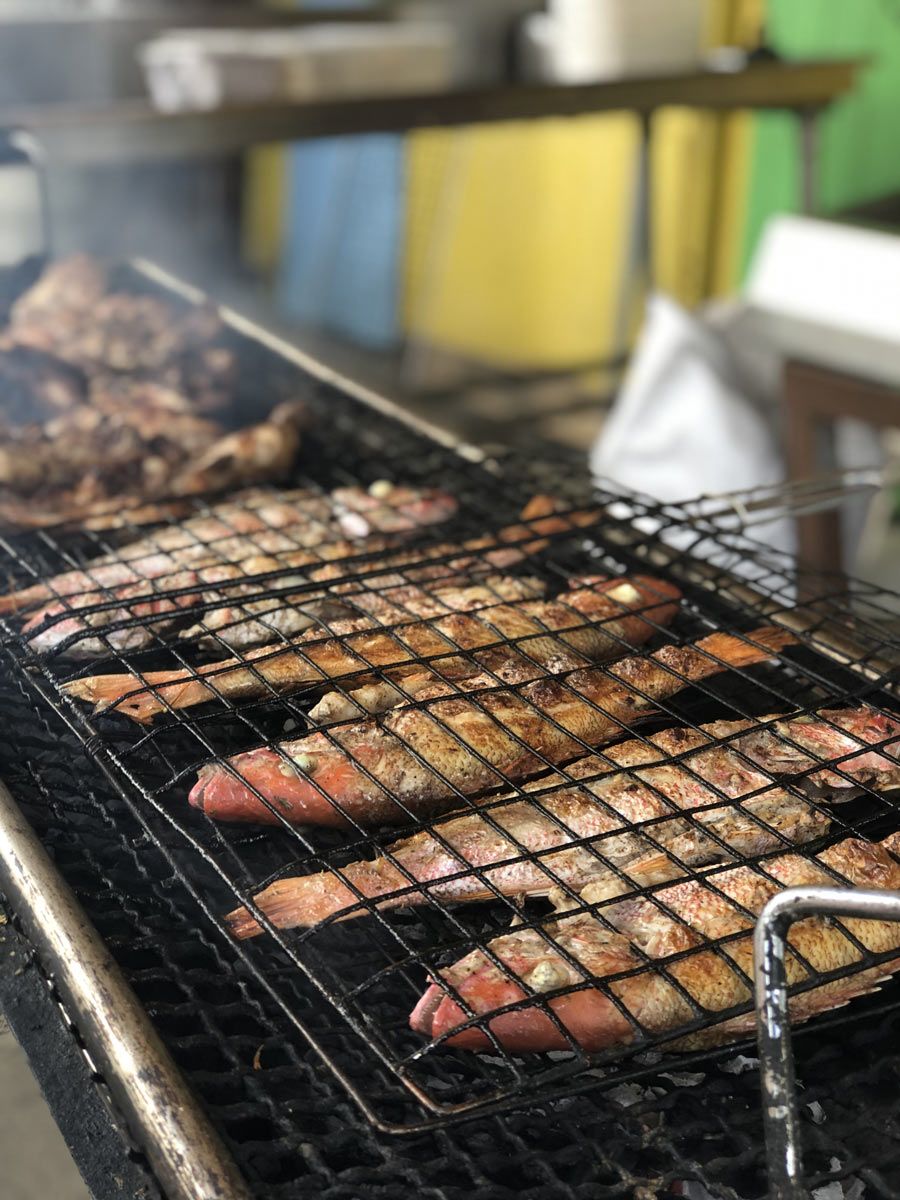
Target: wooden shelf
<point>134,131</point>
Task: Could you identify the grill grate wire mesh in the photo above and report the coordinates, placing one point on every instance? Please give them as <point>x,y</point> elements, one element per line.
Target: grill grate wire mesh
<point>349,988</point>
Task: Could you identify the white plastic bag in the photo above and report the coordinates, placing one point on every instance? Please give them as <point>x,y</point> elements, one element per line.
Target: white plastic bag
<point>683,426</point>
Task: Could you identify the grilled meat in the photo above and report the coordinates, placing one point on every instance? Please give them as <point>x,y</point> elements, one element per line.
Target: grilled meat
<point>123,393</point>
<point>70,312</point>
<point>552,963</point>
<point>35,387</point>
<point>420,760</point>
<point>561,836</point>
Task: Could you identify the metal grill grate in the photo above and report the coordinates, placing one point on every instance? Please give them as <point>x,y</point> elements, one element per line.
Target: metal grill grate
<point>348,988</point>
<point>291,1127</point>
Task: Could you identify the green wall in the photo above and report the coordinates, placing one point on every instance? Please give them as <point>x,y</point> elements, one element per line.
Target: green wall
<point>859,153</point>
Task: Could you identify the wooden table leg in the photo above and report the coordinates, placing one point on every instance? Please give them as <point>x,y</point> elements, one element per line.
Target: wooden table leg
<point>810,450</point>
<point>815,398</point>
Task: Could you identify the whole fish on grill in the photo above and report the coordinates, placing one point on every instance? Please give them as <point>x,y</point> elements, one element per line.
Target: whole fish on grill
<point>593,622</point>
<point>421,760</point>
<point>560,837</point>
<point>309,659</point>
<point>162,579</point>
<point>231,614</point>
<point>550,965</point>
<point>246,525</point>
<point>250,622</point>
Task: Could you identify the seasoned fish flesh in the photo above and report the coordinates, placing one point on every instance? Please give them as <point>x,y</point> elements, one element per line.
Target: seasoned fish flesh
<point>244,527</point>
<point>592,622</point>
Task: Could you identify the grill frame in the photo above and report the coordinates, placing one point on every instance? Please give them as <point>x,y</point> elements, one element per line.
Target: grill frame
<point>741,589</point>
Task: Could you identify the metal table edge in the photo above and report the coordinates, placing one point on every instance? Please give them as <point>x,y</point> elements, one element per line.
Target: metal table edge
<point>162,1113</point>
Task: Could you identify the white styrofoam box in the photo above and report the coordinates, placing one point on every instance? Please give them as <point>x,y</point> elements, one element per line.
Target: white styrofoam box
<point>829,294</point>
<point>204,68</point>
<point>584,41</point>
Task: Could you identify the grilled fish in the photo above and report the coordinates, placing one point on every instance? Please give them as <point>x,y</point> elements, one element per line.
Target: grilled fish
<point>529,622</point>
<point>242,528</point>
<point>420,760</point>
<point>560,837</point>
<point>553,963</point>
<point>308,660</point>
<point>241,623</point>
<point>130,615</point>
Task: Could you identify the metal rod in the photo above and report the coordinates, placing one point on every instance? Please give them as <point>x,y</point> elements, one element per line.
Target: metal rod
<point>313,366</point>
<point>187,1156</point>
<point>793,499</point>
<point>780,1109</point>
<point>809,159</point>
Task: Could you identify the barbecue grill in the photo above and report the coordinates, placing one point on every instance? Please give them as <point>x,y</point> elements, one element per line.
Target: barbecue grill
<point>297,1044</point>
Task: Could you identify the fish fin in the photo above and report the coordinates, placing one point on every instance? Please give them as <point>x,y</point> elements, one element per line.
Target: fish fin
<point>128,694</point>
<point>743,651</point>
<point>539,506</point>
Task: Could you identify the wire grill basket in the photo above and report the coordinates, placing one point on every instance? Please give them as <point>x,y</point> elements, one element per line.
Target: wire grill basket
<point>348,986</point>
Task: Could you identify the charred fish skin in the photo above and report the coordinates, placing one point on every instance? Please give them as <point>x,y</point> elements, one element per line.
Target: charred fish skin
<point>547,968</point>
<point>138,582</point>
<point>418,761</point>
<point>537,858</point>
<point>587,624</point>
<point>603,629</point>
<point>277,668</point>
<point>468,849</point>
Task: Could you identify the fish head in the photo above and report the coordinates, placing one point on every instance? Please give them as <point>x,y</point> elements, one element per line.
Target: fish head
<point>296,780</point>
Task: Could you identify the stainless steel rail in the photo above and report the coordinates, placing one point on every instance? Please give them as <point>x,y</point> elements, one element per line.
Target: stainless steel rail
<point>780,1109</point>
<point>163,1116</point>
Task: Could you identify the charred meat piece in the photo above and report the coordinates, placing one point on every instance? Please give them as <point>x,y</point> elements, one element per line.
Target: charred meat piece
<point>70,313</point>
<point>36,386</point>
<point>107,401</point>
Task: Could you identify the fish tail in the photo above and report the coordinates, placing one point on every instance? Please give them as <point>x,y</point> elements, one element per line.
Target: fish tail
<point>12,602</point>
<point>308,900</point>
<point>180,689</point>
<point>674,667</point>
<point>725,651</point>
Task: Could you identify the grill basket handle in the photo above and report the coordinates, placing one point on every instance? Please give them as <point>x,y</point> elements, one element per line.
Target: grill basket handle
<point>776,1062</point>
